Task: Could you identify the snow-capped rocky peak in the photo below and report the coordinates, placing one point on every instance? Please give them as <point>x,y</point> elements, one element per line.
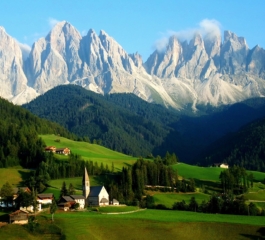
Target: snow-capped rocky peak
<point>203,71</point>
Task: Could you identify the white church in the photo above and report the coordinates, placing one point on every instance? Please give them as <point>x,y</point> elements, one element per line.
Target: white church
<point>94,195</point>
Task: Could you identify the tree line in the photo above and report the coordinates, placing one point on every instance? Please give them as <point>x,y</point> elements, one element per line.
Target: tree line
<point>220,203</point>
<point>19,140</point>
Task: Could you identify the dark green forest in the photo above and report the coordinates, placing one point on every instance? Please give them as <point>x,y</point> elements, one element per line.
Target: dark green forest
<point>245,148</point>
<point>136,128</point>
<point>19,141</point>
<point>128,124</point>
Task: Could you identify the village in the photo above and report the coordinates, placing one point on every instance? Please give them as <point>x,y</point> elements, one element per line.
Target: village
<point>93,196</point>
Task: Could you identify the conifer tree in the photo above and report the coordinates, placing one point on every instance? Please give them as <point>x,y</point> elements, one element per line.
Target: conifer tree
<point>71,190</point>
<point>64,191</point>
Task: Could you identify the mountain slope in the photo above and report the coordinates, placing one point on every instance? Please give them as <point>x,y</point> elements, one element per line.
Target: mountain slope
<point>128,124</point>
<point>88,114</point>
<point>244,148</point>
<point>19,141</point>
<point>204,71</point>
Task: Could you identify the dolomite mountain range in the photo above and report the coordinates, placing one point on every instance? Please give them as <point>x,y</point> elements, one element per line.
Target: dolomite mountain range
<point>204,71</point>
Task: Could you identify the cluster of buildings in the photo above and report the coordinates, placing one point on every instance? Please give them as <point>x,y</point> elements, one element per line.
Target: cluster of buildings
<point>92,196</point>
<point>64,151</point>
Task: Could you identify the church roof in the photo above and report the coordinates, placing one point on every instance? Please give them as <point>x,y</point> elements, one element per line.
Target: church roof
<point>95,190</point>
<point>85,176</point>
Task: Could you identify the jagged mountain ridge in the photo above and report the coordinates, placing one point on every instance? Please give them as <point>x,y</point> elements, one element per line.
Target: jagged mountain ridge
<point>204,71</point>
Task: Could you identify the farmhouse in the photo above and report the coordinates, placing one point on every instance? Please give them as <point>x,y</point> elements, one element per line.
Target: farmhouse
<point>11,203</point>
<point>45,198</point>
<point>64,151</point>
<point>221,165</point>
<point>50,149</point>
<point>96,195</point>
<point>67,202</point>
<point>18,217</point>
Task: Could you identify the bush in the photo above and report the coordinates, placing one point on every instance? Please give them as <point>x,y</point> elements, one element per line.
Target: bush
<point>161,207</point>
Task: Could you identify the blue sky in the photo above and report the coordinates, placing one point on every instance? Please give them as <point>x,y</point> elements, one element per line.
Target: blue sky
<point>138,26</point>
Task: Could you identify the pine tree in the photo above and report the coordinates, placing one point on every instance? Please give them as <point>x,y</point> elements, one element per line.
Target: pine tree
<point>64,191</point>
<point>71,190</point>
<point>53,208</point>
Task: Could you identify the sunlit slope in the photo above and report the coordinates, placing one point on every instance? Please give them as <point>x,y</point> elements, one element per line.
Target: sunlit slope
<point>88,151</point>
<point>208,173</point>
<point>14,176</point>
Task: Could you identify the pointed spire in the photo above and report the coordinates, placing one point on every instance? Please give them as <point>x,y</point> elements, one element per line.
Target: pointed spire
<point>85,176</point>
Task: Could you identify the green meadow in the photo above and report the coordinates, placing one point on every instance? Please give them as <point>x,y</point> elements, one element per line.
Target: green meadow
<point>195,172</point>
<point>147,224</point>
<point>168,199</point>
<point>88,151</point>
<point>14,176</point>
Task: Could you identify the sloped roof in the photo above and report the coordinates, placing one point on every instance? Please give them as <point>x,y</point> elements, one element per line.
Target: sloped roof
<point>18,212</point>
<point>104,200</point>
<point>115,200</point>
<point>45,195</point>
<point>94,191</point>
<point>77,197</point>
<point>67,198</point>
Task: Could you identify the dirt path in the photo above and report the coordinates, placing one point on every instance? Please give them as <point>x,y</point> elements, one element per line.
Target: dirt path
<point>126,212</point>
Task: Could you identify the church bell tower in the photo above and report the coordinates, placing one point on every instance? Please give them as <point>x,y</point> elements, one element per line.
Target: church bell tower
<point>86,184</point>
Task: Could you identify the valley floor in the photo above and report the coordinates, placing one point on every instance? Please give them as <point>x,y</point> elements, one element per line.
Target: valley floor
<point>148,224</point>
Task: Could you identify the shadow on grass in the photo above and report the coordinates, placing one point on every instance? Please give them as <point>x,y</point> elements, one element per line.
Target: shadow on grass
<point>4,217</point>
<point>251,237</point>
<point>208,185</point>
<point>261,231</point>
<point>24,175</point>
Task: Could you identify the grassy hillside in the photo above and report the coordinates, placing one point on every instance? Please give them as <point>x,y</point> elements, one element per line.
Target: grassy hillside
<point>208,173</point>
<point>203,173</point>
<point>13,176</point>
<point>148,224</point>
<point>168,199</point>
<point>88,151</point>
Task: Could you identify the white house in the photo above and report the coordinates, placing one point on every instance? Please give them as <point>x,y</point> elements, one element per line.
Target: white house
<point>45,198</point>
<point>115,202</point>
<point>79,199</point>
<point>224,165</point>
<point>96,195</point>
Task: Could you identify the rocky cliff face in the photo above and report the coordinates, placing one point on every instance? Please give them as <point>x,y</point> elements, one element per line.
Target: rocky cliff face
<point>204,70</point>
<point>13,81</point>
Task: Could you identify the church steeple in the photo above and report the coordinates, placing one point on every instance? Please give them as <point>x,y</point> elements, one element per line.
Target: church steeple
<point>86,184</point>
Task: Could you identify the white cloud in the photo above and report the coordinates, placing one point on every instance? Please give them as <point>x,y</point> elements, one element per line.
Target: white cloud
<point>84,33</point>
<point>206,28</point>
<point>25,49</point>
<point>52,22</point>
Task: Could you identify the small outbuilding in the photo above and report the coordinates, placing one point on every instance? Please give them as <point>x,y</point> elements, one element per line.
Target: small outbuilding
<point>115,202</point>
<point>18,217</point>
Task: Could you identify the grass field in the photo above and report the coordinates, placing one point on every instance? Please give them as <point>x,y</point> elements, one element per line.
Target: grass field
<point>259,196</point>
<point>147,224</point>
<point>89,151</point>
<point>14,176</point>
<point>168,199</point>
<point>195,172</point>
